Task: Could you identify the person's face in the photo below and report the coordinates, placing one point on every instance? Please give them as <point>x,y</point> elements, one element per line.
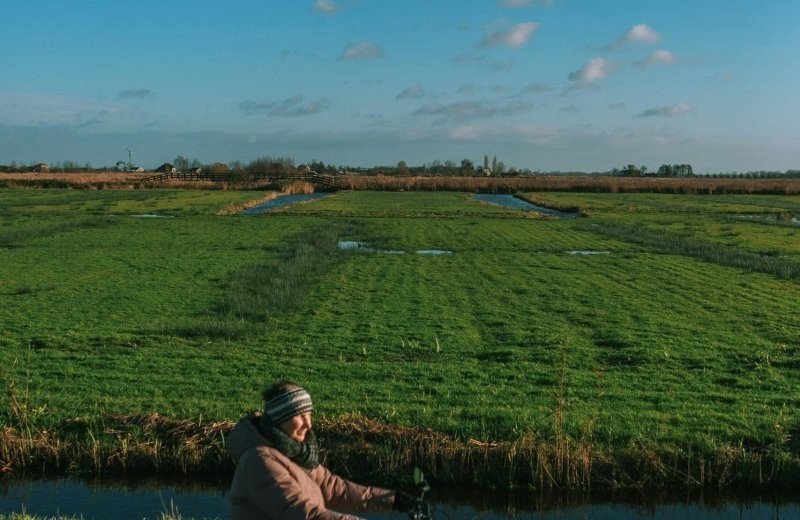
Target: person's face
<point>297,427</point>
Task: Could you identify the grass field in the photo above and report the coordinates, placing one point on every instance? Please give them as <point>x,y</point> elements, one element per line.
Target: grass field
<point>596,330</point>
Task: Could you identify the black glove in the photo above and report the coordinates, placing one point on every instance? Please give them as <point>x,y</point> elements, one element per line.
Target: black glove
<point>403,502</point>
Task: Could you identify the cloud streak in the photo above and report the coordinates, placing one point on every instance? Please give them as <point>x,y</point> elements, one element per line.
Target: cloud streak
<point>515,37</point>
<point>464,110</point>
<point>289,107</point>
<point>326,6</point>
<point>137,93</point>
<point>412,92</point>
<point>521,4</point>
<point>362,50</point>
<point>670,111</point>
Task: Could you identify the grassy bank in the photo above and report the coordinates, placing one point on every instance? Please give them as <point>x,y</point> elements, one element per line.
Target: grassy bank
<point>547,353</point>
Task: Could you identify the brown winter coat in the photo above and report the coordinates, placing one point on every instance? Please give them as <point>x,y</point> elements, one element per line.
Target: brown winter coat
<point>267,485</point>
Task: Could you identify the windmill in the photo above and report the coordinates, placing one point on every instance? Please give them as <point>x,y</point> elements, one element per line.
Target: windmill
<point>130,159</point>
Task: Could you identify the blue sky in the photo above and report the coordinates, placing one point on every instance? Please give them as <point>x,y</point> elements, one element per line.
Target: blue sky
<point>565,85</point>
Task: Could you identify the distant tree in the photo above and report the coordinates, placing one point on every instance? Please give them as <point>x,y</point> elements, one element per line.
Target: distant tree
<point>643,169</point>
<point>467,167</point>
<point>631,171</point>
<point>181,163</point>
<point>217,168</point>
<point>494,165</point>
<point>402,168</point>
<point>485,162</point>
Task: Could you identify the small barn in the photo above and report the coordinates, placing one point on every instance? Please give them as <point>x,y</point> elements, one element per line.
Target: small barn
<point>167,168</point>
<point>41,167</point>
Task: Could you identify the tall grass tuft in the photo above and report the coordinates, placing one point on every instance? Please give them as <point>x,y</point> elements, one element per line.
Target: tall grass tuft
<point>257,292</point>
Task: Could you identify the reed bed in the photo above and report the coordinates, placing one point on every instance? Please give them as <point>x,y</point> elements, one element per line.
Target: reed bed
<point>367,450</point>
<point>591,184</point>
<point>573,183</point>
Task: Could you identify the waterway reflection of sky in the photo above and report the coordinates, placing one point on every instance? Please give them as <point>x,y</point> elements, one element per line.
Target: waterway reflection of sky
<point>78,499</point>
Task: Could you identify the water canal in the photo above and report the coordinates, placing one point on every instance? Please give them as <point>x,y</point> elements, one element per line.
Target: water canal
<point>74,498</point>
<point>283,200</point>
<point>510,201</point>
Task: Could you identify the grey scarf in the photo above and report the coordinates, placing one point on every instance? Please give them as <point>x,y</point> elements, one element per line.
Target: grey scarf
<point>305,454</point>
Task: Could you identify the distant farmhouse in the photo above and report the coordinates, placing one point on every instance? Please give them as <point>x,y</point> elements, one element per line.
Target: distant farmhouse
<point>167,168</point>
<point>41,168</point>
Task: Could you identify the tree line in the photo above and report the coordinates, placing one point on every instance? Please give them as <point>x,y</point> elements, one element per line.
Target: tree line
<point>465,168</point>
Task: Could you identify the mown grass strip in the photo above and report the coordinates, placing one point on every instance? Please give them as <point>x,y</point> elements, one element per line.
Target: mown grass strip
<point>717,253</point>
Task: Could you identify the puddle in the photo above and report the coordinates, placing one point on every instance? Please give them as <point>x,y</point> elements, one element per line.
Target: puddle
<point>770,219</point>
<point>283,200</point>
<point>152,215</point>
<point>363,247</point>
<point>588,252</point>
<point>512,202</point>
<point>350,245</point>
<point>433,252</point>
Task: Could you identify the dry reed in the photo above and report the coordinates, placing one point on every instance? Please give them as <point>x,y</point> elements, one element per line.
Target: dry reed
<point>575,183</point>
<point>368,450</point>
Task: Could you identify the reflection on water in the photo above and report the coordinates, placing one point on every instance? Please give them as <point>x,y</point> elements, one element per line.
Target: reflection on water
<point>80,499</point>
<point>283,200</point>
<point>510,201</point>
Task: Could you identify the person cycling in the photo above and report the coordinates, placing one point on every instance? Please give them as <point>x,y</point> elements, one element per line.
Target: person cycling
<point>278,475</point>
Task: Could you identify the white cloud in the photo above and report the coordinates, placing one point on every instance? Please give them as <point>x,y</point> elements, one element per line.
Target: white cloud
<point>326,6</point>
<point>361,51</point>
<point>679,110</point>
<point>412,92</point>
<point>640,33</point>
<point>659,57</point>
<point>514,37</point>
<point>593,70</point>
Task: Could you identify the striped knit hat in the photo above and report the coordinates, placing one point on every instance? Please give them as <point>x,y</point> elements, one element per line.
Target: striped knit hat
<point>285,406</point>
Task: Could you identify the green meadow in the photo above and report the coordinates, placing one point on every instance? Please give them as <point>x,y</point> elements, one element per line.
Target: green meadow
<point>664,321</point>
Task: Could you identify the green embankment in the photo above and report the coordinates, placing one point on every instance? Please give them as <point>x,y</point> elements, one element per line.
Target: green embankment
<point>605,351</point>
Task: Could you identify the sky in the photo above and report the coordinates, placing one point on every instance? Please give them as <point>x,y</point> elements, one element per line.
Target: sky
<point>547,85</point>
